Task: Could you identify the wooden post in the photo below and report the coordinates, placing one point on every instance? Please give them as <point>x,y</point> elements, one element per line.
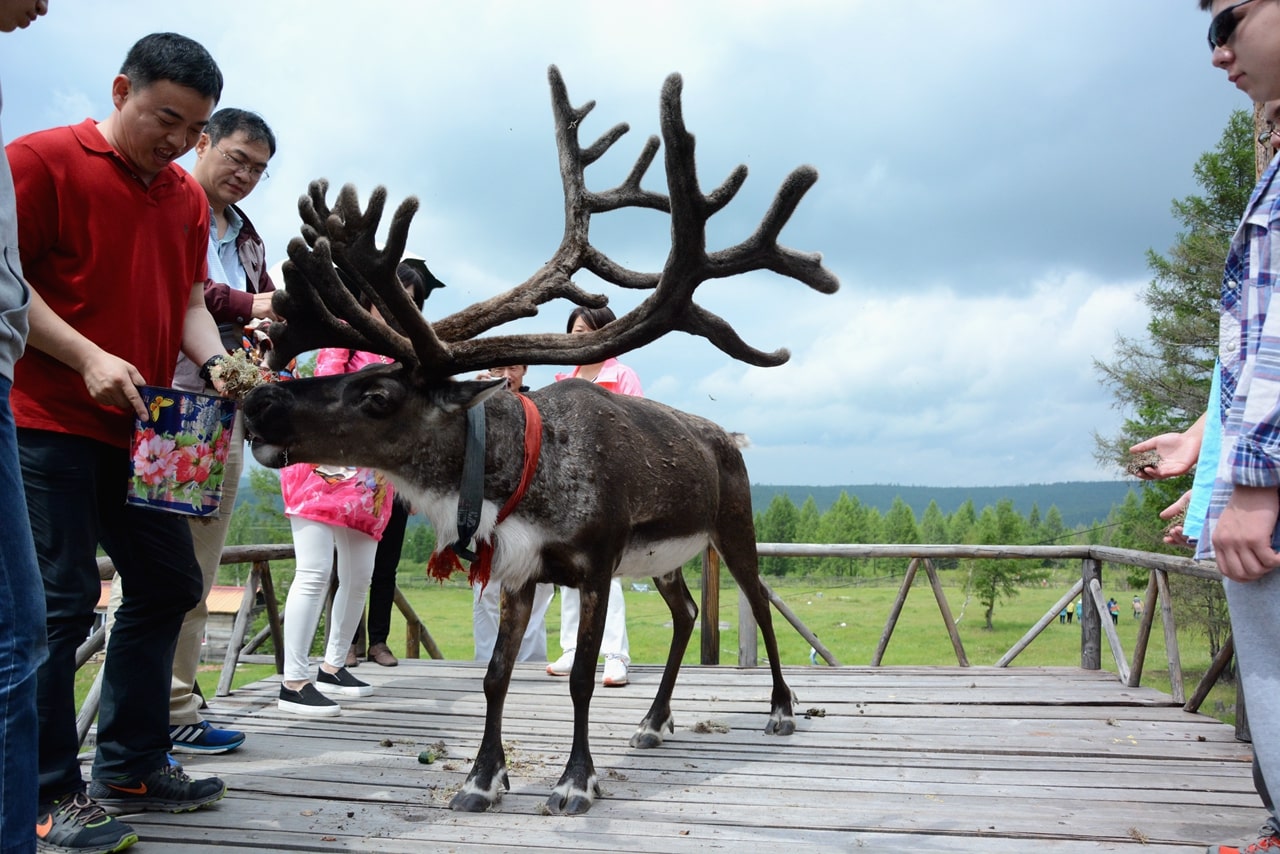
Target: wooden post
<point>1176,687</point>
<point>748,642</point>
<point>1144,633</point>
<point>710,606</point>
<point>1090,619</point>
<point>895,612</point>
<point>1220,662</point>
<point>941,597</point>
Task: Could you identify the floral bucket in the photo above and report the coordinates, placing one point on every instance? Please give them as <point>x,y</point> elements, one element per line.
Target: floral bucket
<point>178,455</point>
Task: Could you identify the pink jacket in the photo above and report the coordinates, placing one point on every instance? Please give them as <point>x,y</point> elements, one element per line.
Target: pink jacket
<point>614,376</point>
<point>356,498</point>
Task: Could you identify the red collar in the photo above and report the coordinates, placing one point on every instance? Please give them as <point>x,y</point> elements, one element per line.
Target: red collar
<point>445,562</point>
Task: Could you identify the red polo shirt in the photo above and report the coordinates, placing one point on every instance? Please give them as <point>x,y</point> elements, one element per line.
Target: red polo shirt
<point>114,257</point>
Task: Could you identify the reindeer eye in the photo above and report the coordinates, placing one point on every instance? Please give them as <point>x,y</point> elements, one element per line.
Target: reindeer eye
<point>381,398</point>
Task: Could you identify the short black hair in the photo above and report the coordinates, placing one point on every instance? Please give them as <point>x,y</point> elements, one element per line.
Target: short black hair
<point>594,317</point>
<point>176,58</point>
<point>408,274</point>
<point>229,120</point>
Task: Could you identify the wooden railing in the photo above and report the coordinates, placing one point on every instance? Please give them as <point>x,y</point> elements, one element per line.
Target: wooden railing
<point>260,581</point>
<point>1093,626</point>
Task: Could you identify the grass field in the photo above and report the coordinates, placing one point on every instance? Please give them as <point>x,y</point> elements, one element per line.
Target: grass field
<point>848,615</point>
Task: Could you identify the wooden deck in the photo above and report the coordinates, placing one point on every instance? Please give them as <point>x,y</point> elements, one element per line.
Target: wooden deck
<point>889,759</point>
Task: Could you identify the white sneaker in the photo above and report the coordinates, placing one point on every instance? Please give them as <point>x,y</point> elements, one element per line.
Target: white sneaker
<point>615,672</point>
<point>562,665</point>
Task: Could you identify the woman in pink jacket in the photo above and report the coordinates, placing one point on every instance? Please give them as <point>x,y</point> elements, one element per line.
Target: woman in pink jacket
<point>329,507</point>
<point>615,648</point>
<point>332,507</point>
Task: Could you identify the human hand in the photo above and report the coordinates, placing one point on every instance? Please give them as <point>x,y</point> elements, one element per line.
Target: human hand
<point>111,381</point>
<point>1242,537</point>
<point>1177,452</point>
<point>262,307</point>
<point>1173,534</point>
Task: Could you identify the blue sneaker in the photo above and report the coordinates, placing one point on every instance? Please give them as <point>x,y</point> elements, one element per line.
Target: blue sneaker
<point>204,738</point>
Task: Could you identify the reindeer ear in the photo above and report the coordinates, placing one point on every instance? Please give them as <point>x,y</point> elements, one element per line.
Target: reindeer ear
<point>464,395</point>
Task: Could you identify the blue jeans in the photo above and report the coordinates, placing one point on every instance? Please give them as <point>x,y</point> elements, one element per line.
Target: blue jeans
<point>75,490</point>
<point>22,648</point>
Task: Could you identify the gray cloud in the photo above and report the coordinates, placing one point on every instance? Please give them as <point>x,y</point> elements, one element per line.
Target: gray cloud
<point>992,174</point>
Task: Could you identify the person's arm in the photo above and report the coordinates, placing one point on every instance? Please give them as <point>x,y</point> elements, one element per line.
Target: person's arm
<point>110,380</point>
<point>1178,451</point>
<point>1243,534</point>
<point>200,338</point>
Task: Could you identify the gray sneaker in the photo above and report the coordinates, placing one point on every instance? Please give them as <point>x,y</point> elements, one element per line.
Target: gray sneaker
<point>77,823</point>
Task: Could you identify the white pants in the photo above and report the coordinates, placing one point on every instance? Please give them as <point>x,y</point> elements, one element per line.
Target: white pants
<point>614,641</point>
<point>485,607</point>
<point>313,545</point>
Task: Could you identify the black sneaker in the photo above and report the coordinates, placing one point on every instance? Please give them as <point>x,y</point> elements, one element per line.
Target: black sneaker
<point>342,682</point>
<point>307,701</point>
<point>78,824</point>
<point>167,789</point>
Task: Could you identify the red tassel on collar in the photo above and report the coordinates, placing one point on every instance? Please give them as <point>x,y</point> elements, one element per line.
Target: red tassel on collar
<point>445,562</point>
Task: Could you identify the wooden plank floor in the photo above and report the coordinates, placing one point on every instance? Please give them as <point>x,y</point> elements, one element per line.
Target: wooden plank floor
<point>889,759</point>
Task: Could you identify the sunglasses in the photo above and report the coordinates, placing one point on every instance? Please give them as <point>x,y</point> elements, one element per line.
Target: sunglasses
<point>1223,25</point>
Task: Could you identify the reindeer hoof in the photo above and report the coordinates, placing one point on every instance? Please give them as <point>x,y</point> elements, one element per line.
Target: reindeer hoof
<point>783,727</point>
<point>469,802</point>
<point>648,736</point>
<point>475,798</point>
<point>780,724</point>
<point>570,799</point>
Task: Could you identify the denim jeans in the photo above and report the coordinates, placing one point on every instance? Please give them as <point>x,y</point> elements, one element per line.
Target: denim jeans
<point>22,648</point>
<point>75,489</point>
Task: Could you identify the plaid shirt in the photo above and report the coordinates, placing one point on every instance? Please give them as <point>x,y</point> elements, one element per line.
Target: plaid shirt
<point>1249,351</point>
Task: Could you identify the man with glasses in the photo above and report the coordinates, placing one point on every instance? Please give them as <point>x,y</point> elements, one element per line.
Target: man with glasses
<point>231,160</point>
<point>112,235</point>
<point>1241,530</point>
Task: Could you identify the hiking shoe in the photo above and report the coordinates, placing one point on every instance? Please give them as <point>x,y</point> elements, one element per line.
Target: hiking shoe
<point>203,737</point>
<point>1268,841</point>
<point>307,701</point>
<point>343,683</point>
<point>562,665</point>
<point>615,673</point>
<point>79,824</point>
<point>167,789</point>
<point>381,653</point>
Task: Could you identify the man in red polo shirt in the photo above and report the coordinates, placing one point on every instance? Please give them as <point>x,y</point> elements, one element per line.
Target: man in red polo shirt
<point>112,235</point>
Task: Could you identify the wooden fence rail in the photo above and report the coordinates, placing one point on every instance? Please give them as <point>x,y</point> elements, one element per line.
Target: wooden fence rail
<point>1093,627</point>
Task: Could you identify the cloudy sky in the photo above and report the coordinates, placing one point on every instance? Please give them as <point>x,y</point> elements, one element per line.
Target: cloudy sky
<point>992,175</point>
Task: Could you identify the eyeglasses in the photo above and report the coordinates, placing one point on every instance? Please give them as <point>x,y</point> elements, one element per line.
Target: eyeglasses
<point>1264,138</point>
<point>1223,25</point>
<point>256,173</point>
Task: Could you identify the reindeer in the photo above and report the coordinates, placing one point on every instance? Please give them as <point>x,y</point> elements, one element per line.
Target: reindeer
<point>569,484</point>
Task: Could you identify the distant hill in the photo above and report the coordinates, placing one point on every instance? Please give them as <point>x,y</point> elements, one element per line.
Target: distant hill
<point>1079,502</point>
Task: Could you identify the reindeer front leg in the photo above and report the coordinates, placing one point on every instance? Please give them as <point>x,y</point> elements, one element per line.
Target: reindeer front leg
<point>579,786</point>
<point>488,778</point>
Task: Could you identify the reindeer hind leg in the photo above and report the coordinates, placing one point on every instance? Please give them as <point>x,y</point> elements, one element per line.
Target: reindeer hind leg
<point>739,553</point>
<point>684,614</point>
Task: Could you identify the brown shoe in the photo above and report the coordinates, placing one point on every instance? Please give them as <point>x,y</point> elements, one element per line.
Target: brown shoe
<point>353,660</point>
<point>381,653</point>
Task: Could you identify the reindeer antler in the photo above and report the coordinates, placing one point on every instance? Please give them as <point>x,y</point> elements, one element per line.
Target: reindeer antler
<point>345,236</point>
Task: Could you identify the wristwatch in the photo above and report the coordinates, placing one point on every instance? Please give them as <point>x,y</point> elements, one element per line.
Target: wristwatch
<point>206,370</point>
